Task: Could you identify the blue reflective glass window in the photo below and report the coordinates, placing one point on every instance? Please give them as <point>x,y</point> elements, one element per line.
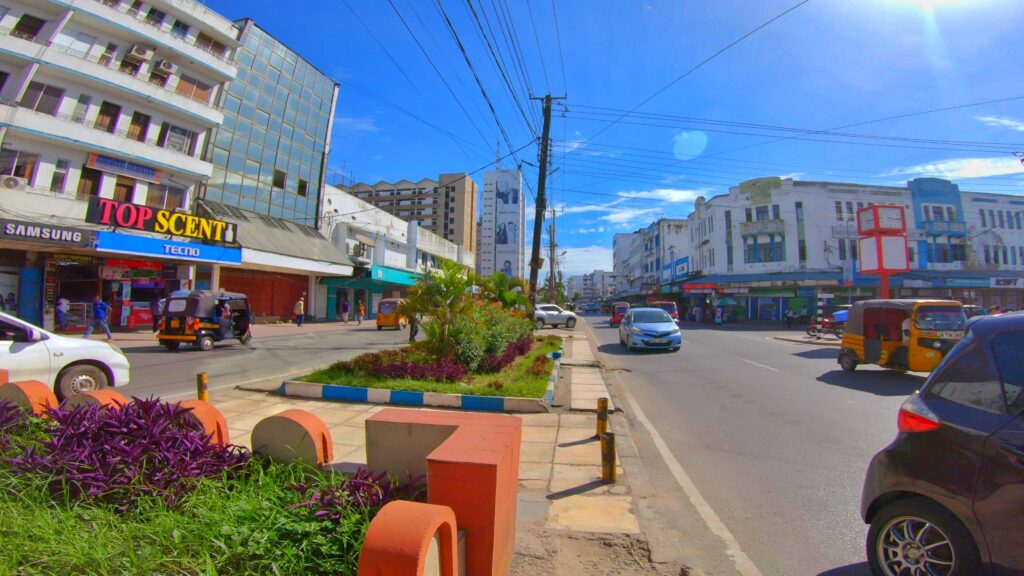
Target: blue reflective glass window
<point>250,95</point>
<point>229,198</point>
<point>262,119</point>
<point>269,155</point>
<point>247,110</point>
<point>252,169</point>
<point>233,182</point>
<point>255,150</point>
<point>247,203</point>
<point>273,77</point>
<point>266,102</point>
<point>223,138</point>
<point>276,211</point>
<point>259,66</point>
<point>237,88</point>
<point>236,161</point>
<point>244,57</point>
<point>231,103</point>
<point>239,144</point>
<point>258,135</point>
<point>262,206</point>
<point>243,128</point>
<point>219,157</point>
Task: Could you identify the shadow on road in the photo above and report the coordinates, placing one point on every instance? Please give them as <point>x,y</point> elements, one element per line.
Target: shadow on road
<point>858,569</point>
<point>620,350</point>
<point>819,353</point>
<point>879,382</point>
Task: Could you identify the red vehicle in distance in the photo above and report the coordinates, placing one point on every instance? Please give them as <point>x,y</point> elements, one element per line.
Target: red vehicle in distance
<point>618,311</point>
<point>669,307</point>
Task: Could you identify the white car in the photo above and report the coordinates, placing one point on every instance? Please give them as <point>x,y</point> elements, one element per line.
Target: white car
<point>70,365</point>
<point>551,315</point>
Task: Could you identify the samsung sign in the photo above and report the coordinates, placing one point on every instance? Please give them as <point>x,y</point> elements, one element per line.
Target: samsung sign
<point>145,246</point>
<point>48,233</point>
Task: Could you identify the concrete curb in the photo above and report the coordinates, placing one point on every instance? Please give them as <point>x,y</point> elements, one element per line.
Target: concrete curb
<point>834,344</point>
<point>294,388</point>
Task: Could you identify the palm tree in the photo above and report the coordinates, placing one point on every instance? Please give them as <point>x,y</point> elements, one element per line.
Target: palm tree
<point>441,296</point>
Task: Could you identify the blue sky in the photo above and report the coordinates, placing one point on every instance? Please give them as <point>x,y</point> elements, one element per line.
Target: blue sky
<point>824,65</point>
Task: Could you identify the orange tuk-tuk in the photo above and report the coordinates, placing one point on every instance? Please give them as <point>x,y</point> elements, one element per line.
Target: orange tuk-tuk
<point>388,315</point>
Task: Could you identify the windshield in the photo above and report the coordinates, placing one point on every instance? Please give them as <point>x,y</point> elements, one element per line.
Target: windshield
<point>621,309</point>
<point>176,305</point>
<point>651,317</point>
<point>387,307</point>
<point>667,306</point>
<point>940,318</point>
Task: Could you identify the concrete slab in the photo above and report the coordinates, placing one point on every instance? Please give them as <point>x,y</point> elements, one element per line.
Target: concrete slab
<point>609,514</point>
<point>587,454</point>
<point>547,420</point>
<point>579,421</point>
<point>535,471</point>
<point>588,404</point>
<point>574,436</point>
<point>539,434</point>
<point>541,452</point>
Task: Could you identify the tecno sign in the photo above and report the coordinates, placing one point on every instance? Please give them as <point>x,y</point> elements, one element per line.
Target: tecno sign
<point>108,212</point>
<point>172,250</point>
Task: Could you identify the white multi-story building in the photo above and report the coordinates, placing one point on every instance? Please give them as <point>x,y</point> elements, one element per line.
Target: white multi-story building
<point>574,286</point>
<point>772,244</point>
<point>391,252</point>
<point>104,100</point>
<point>501,243</point>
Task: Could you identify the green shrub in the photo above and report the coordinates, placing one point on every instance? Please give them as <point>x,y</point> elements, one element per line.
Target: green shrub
<point>487,329</point>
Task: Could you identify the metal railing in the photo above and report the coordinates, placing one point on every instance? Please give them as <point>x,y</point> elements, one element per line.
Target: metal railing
<point>167,29</point>
<point>121,133</point>
<point>108,61</point>
<point>23,35</point>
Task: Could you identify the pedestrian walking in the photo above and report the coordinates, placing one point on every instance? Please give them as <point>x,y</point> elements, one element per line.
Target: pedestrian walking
<point>63,307</point>
<point>360,312</point>
<point>789,318</point>
<point>414,327</point>
<point>156,308</point>
<point>99,317</point>
<point>344,311</point>
<point>300,310</point>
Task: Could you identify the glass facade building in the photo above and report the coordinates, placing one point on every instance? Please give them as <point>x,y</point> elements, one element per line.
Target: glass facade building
<point>270,153</point>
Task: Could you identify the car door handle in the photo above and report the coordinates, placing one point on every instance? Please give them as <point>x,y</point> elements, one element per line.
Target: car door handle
<point>1013,450</point>
<point>58,354</point>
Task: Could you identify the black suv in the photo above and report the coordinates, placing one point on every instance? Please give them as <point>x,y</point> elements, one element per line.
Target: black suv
<point>946,498</point>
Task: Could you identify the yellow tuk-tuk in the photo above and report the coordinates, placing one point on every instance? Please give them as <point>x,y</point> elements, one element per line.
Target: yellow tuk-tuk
<point>201,318</point>
<point>388,315</point>
<point>910,334</point>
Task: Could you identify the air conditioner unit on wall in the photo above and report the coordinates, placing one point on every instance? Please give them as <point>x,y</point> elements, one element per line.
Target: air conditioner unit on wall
<point>167,66</point>
<point>140,52</point>
<point>12,183</point>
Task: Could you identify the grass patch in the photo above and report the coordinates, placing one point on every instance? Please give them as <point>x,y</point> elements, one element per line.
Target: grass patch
<point>527,377</point>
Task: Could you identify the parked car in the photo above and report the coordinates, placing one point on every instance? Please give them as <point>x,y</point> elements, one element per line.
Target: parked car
<point>946,496</point>
<point>70,365</point>
<point>669,307</point>
<point>552,315</point>
<point>649,328</point>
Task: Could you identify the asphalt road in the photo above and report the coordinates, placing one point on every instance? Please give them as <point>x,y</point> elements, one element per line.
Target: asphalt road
<point>774,435</point>
<point>265,362</point>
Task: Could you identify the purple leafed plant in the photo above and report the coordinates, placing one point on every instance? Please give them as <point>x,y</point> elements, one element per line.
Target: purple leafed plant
<point>12,417</point>
<point>444,370</point>
<point>497,362</point>
<point>363,489</point>
<point>147,447</point>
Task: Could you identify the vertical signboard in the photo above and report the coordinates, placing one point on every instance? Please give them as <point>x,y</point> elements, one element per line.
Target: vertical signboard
<point>509,217</point>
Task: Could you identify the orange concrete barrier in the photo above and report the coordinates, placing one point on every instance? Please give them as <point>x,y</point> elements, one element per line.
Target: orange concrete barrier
<point>213,422</point>
<point>294,435</point>
<point>106,397</point>
<point>472,466</point>
<point>31,395</point>
<point>3,376</point>
<point>410,539</point>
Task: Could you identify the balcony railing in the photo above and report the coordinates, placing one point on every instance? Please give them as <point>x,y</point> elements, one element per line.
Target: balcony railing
<point>944,227</point>
<point>122,133</point>
<point>762,227</point>
<point>166,28</point>
<point>23,35</point>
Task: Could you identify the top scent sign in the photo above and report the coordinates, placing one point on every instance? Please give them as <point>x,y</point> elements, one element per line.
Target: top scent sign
<point>108,212</point>
<point>882,219</point>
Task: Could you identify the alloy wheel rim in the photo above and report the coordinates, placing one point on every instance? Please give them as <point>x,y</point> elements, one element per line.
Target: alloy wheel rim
<point>911,546</point>
<point>83,383</point>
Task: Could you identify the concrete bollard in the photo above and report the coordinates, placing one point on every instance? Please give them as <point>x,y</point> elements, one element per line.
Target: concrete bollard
<point>608,471</point>
<point>602,417</point>
<point>202,387</point>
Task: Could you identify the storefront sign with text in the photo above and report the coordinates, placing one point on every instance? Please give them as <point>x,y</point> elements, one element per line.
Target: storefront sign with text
<point>124,215</point>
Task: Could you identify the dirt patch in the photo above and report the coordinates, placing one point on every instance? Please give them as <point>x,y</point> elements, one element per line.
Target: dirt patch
<point>542,551</point>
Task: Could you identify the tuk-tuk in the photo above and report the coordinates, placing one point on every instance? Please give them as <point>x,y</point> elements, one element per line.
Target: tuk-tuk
<point>388,315</point>
<point>910,334</point>
<point>201,318</point>
<point>618,311</point>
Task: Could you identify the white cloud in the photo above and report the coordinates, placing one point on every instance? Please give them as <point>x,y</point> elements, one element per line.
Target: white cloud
<point>962,168</point>
<point>673,195</point>
<point>595,230</point>
<point>1001,122</point>
<point>629,215</point>
<point>792,175</point>
<point>355,124</point>
<point>585,259</point>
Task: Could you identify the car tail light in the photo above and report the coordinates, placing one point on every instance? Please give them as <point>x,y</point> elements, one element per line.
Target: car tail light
<point>915,416</point>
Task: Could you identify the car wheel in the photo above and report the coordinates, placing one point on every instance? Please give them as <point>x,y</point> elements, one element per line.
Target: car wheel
<point>172,346</point>
<point>540,324</point>
<point>847,362</point>
<point>206,343</point>
<point>917,536</point>
<point>80,378</point>
<point>570,323</point>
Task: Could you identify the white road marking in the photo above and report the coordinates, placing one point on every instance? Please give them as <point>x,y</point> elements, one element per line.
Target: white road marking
<point>759,365</point>
<point>743,563</point>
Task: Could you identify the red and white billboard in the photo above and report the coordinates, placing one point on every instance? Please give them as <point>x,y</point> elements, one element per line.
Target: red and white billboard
<point>883,253</point>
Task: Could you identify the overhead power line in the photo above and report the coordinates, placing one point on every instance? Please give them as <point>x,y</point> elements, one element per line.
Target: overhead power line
<point>695,67</point>
<point>540,51</point>
<point>561,55</point>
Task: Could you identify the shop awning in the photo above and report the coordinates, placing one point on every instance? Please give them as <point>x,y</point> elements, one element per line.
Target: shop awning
<point>274,235</point>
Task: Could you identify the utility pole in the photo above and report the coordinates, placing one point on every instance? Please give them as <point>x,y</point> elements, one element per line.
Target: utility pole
<point>538,220</point>
<point>552,249</point>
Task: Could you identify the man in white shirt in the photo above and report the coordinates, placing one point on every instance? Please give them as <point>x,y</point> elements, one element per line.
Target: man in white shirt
<point>63,307</point>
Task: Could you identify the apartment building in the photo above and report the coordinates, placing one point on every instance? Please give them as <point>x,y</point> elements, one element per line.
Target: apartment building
<point>446,206</point>
<point>772,244</point>
<point>105,104</point>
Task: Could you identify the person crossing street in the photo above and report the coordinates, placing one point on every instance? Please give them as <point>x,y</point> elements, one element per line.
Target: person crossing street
<point>99,317</point>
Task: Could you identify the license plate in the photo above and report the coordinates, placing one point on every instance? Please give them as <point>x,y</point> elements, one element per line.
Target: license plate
<point>950,335</point>
<point>657,341</point>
